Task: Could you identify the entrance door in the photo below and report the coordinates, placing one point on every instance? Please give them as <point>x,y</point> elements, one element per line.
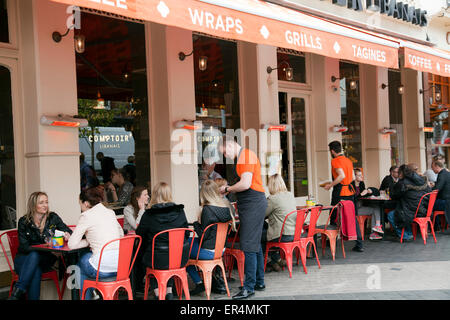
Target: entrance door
<point>294,110</point>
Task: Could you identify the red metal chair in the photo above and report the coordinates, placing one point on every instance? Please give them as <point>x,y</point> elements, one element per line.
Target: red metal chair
<point>108,288</point>
<point>232,254</point>
<point>207,266</point>
<point>309,237</point>
<point>362,223</point>
<point>332,232</point>
<point>13,240</point>
<point>443,222</point>
<point>121,221</point>
<point>423,221</point>
<point>176,242</point>
<point>288,247</point>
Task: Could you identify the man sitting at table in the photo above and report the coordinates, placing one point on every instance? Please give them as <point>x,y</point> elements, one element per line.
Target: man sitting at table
<point>443,185</point>
<point>389,181</point>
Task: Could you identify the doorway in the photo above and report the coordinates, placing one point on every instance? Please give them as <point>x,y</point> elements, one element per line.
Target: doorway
<point>295,144</point>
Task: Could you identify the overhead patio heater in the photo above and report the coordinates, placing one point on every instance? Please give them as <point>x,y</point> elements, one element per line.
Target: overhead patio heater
<point>62,120</point>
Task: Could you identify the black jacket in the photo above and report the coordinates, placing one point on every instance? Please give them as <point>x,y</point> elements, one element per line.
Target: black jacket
<point>30,235</point>
<point>443,185</point>
<point>387,183</point>
<point>408,192</point>
<point>211,215</point>
<point>158,218</point>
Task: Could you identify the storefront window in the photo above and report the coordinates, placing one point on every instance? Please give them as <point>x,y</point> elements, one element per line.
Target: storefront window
<point>112,95</point>
<point>436,97</point>
<point>217,103</point>
<point>7,168</point>
<point>351,112</point>
<point>295,60</point>
<point>396,119</point>
<point>4,30</point>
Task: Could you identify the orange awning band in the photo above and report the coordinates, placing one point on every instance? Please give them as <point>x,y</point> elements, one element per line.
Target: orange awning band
<point>426,59</point>
<point>258,22</point>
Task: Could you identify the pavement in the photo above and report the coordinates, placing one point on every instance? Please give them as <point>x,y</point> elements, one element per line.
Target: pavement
<point>386,270</point>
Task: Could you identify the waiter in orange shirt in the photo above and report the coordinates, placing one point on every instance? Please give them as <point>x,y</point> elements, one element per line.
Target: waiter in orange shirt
<point>251,206</point>
<point>343,175</point>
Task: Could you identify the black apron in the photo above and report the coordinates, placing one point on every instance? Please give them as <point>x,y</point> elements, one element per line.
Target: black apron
<point>251,207</point>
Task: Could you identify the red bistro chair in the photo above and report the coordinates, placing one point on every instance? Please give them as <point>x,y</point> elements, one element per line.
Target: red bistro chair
<point>207,266</point>
<point>362,223</point>
<point>423,221</point>
<point>13,240</point>
<point>176,243</point>
<point>109,288</point>
<point>232,254</point>
<point>440,213</point>
<point>309,237</point>
<point>331,232</point>
<point>288,247</point>
<point>121,221</point>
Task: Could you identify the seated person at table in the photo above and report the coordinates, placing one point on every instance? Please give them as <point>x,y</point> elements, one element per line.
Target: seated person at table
<point>214,209</point>
<point>223,182</point>
<point>122,193</point>
<point>443,185</point>
<point>34,228</point>
<point>162,215</point>
<point>280,203</point>
<point>133,212</point>
<point>407,192</point>
<point>389,181</point>
<point>374,212</point>
<point>99,225</point>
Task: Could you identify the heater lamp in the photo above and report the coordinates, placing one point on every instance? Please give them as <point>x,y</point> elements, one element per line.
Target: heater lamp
<point>276,127</point>
<point>63,121</point>
<point>340,128</point>
<point>189,125</point>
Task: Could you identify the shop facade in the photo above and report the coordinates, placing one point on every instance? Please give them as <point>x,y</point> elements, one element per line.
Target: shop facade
<point>131,70</point>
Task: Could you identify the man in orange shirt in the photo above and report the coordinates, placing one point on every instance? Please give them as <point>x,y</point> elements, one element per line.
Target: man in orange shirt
<point>343,175</point>
<point>251,207</point>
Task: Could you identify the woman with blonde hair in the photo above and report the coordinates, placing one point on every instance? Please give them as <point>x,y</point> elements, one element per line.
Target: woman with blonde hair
<point>162,215</point>
<point>36,227</point>
<point>214,209</point>
<point>280,203</point>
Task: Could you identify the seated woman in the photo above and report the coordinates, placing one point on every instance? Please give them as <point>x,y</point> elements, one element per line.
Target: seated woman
<point>214,209</point>
<point>162,215</point>
<point>99,225</point>
<point>361,191</point>
<point>281,202</point>
<point>133,212</point>
<point>33,228</point>
<point>407,192</point>
<point>122,194</point>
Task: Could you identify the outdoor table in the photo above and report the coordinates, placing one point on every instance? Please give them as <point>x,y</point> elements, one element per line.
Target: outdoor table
<point>381,202</point>
<point>73,255</point>
<point>117,208</point>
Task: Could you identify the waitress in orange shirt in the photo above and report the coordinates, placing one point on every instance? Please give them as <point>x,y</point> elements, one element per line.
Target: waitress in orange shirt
<point>251,206</point>
<point>343,175</point>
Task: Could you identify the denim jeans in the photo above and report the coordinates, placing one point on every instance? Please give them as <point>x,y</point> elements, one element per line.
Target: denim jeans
<point>29,271</point>
<point>203,255</point>
<point>253,269</point>
<point>408,232</point>
<point>87,271</point>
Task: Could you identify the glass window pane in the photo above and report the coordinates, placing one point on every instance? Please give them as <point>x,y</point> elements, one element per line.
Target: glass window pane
<point>395,118</point>
<point>299,148</point>
<point>351,112</point>
<point>112,94</point>
<point>4,30</point>
<point>217,103</point>
<point>284,138</point>
<point>296,62</point>
<point>7,168</point>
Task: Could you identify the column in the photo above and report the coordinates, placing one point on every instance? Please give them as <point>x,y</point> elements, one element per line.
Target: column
<point>413,118</point>
<point>172,98</point>
<point>374,117</point>
<point>325,113</point>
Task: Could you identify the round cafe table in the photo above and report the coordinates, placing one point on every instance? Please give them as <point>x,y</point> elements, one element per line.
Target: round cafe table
<point>382,203</point>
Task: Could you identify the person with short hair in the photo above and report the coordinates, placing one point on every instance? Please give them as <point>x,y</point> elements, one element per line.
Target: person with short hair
<point>99,226</point>
<point>122,194</point>
<point>389,181</point>
<point>37,225</point>
<point>443,185</point>
<point>107,165</point>
<point>251,205</point>
<point>407,192</point>
<point>343,175</point>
